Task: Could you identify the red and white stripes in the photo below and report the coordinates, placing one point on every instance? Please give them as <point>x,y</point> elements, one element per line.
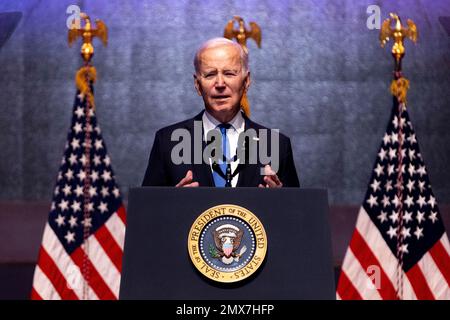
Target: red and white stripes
<point>58,275</point>
<point>428,279</point>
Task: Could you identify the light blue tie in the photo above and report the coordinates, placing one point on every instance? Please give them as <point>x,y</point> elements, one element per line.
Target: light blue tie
<point>218,180</point>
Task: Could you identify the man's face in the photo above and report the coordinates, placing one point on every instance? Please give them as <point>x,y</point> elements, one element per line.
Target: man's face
<point>220,81</point>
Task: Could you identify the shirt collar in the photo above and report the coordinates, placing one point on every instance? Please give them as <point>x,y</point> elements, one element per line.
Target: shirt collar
<point>210,123</point>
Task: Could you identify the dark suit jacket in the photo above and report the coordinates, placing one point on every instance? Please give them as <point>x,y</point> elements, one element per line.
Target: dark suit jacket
<point>161,171</point>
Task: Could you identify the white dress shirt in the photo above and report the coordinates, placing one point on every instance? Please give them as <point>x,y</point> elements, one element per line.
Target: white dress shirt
<point>237,126</point>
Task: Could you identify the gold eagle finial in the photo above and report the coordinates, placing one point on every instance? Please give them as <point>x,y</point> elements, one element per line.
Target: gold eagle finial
<point>399,85</point>
<point>241,34</point>
<point>398,34</point>
<point>88,33</point>
<point>87,74</point>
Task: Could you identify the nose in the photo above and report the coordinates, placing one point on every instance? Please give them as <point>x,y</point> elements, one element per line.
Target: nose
<point>220,83</point>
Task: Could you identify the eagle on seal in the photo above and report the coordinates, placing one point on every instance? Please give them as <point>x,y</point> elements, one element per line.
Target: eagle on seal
<point>227,239</point>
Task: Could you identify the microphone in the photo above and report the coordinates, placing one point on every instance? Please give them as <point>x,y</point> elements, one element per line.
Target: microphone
<point>228,175</point>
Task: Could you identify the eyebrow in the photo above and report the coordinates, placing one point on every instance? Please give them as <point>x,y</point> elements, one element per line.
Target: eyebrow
<point>224,70</point>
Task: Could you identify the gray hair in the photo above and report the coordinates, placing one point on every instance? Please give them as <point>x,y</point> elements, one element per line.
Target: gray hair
<point>216,42</point>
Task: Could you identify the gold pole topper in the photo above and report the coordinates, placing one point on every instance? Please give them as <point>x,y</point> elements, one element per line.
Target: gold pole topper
<point>241,34</point>
<point>400,85</point>
<point>88,33</point>
<point>87,73</point>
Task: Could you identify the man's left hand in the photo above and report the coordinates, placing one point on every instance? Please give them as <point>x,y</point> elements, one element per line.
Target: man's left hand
<point>271,179</point>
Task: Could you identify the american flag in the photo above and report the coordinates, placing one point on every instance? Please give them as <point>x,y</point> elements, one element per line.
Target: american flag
<point>81,252</point>
<point>399,248</point>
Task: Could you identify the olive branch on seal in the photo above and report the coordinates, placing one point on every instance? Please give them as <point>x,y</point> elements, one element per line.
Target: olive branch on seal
<point>213,252</point>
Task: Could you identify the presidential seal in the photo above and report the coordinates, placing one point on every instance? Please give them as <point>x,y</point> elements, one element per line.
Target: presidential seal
<point>227,243</point>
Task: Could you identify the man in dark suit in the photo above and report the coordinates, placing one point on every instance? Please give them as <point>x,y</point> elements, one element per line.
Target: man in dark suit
<point>221,78</point>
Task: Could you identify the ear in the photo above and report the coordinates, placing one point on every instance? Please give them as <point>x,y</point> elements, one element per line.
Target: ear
<point>247,81</point>
<point>197,85</point>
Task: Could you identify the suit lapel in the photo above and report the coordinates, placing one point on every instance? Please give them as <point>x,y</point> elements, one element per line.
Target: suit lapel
<point>202,172</point>
<point>249,176</point>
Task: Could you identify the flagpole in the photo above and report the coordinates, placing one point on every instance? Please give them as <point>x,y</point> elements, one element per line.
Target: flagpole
<point>399,88</point>
<point>241,34</point>
<point>399,186</point>
<point>84,80</point>
<point>86,189</point>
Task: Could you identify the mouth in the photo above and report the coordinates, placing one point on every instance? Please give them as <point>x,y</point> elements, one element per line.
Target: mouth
<point>220,97</point>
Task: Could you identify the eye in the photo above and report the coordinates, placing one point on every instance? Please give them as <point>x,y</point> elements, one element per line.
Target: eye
<point>209,75</point>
